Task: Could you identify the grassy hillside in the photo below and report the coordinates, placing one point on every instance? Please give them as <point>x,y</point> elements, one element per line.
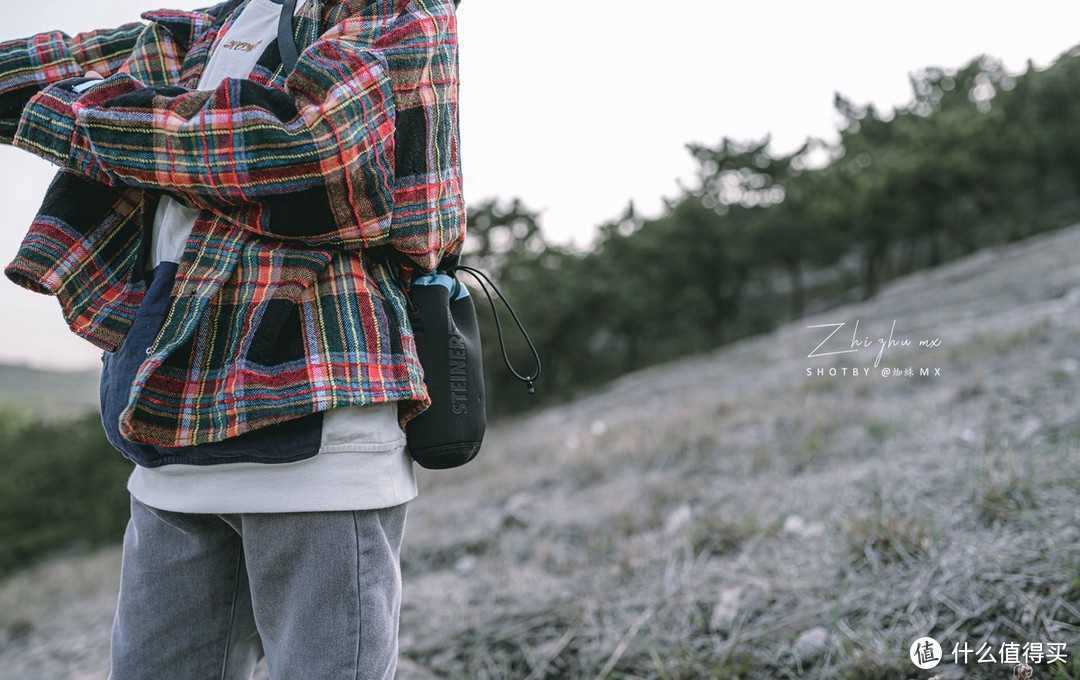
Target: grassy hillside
<point>53,393</point>
<point>739,514</point>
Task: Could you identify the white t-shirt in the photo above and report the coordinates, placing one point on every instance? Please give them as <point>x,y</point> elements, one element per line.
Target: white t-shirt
<point>234,56</point>
<point>362,461</point>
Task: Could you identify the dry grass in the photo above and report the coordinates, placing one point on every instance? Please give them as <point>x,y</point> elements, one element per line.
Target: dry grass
<point>693,521</point>
<point>55,620</point>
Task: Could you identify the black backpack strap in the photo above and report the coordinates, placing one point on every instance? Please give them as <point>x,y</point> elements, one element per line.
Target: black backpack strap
<point>286,41</point>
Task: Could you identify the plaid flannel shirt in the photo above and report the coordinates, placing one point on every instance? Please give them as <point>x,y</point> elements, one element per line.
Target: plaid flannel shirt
<point>281,307</point>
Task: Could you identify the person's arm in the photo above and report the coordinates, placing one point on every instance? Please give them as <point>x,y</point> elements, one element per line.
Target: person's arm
<point>374,99</point>
<point>29,64</point>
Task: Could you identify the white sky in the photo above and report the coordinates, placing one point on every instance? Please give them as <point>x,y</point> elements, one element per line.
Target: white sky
<point>579,107</point>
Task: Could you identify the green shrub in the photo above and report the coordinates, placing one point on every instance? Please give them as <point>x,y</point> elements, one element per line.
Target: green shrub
<point>62,486</point>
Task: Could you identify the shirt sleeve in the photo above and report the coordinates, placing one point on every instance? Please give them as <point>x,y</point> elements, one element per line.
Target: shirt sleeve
<point>29,64</point>
<point>365,93</point>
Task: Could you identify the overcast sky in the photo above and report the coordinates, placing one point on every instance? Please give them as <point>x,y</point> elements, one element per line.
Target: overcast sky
<point>584,106</point>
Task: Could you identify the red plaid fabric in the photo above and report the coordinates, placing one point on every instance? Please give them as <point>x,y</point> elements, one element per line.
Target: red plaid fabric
<point>283,304</point>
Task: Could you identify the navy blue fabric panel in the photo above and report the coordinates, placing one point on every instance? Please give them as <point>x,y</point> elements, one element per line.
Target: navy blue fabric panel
<point>290,441</point>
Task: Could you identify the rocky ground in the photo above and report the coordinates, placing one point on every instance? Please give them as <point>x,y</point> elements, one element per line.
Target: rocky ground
<point>755,512</point>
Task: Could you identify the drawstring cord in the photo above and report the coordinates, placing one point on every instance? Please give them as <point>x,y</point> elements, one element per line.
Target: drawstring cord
<point>482,278</point>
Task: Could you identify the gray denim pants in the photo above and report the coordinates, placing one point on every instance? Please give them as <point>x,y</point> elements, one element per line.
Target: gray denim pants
<point>203,597</point>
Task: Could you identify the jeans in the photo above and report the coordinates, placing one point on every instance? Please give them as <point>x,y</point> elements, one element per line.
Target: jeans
<point>205,596</point>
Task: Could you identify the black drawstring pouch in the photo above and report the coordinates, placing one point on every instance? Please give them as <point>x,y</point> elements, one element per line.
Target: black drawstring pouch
<point>449,433</point>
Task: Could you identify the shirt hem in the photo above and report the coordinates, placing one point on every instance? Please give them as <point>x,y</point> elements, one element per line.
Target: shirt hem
<point>328,481</point>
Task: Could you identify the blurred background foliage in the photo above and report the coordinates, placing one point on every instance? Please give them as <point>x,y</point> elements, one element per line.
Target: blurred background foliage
<point>62,486</point>
<point>979,157</point>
